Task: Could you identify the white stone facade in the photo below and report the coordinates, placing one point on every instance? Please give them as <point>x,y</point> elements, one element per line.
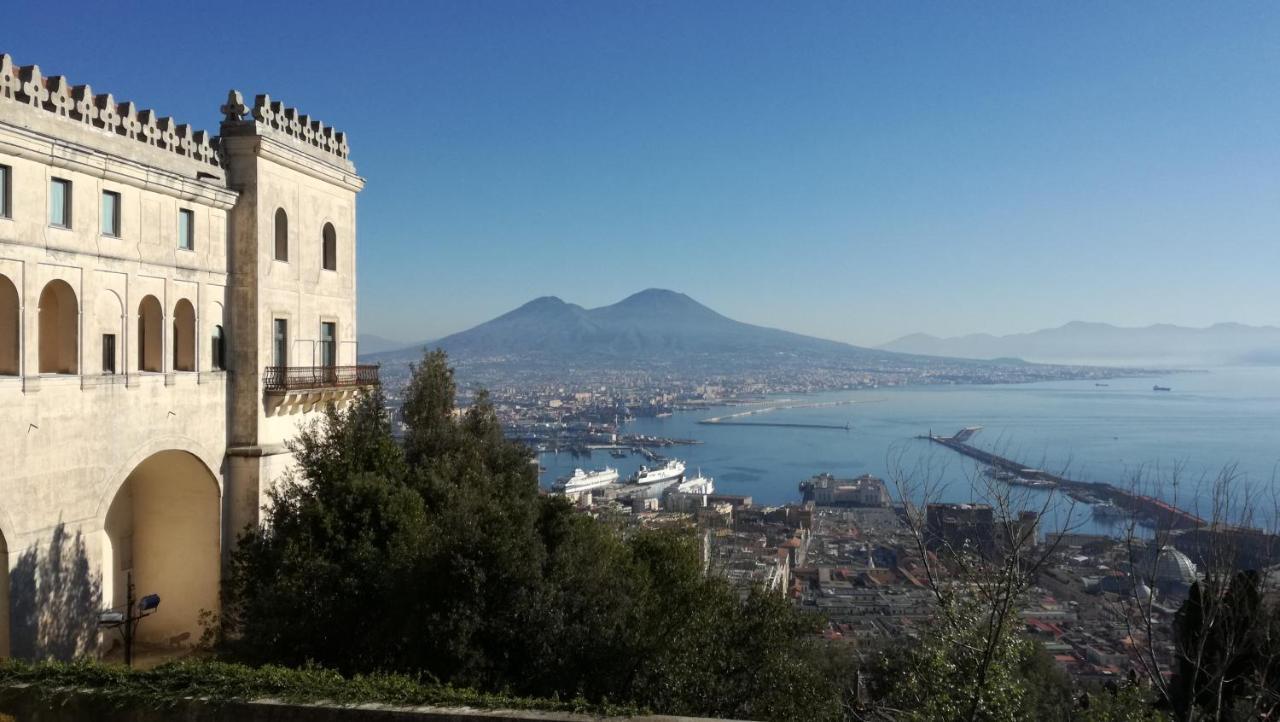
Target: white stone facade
<point>146,393</point>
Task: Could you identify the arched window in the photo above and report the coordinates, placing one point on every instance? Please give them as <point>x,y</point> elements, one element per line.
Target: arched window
<point>282,235</point>
<point>330,248</point>
<point>150,342</point>
<point>219,350</point>
<point>59,335</point>
<point>184,336</point>
<point>8,326</point>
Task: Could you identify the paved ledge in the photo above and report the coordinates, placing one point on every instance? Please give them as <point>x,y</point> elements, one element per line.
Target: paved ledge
<point>29,704</point>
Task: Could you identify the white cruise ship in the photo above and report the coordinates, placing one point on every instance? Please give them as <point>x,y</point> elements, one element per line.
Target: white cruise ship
<point>697,485</point>
<point>673,469</point>
<point>586,480</point>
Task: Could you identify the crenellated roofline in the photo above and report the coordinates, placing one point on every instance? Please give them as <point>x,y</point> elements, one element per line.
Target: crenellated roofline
<point>55,94</point>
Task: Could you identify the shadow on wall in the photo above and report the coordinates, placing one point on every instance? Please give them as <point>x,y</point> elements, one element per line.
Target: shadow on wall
<point>54,600</point>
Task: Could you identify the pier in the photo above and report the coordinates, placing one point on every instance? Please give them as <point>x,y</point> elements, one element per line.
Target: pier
<point>776,424</point>
<point>1144,507</point>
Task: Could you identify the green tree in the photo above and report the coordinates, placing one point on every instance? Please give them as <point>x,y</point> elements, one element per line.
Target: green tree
<point>442,557</point>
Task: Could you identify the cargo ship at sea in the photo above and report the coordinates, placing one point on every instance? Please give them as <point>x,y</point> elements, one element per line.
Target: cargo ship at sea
<point>582,480</point>
<point>672,470</point>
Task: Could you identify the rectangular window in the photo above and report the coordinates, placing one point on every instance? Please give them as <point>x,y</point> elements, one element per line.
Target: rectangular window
<point>110,214</point>
<point>6,195</point>
<point>281,344</point>
<point>219,349</point>
<point>328,343</point>
<point>108,353</point>
<point>186,230</point>
<point>60,203</point>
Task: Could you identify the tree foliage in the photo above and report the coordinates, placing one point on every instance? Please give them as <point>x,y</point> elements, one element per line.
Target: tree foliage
<point>439,556</point>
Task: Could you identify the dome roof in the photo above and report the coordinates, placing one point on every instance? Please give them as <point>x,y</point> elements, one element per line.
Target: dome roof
<point>1174,566</point>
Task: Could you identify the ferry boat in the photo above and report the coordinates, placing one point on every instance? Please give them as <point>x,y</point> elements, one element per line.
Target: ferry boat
<point>673,469</point>
<point>697,485</point>
<point>586,480</point>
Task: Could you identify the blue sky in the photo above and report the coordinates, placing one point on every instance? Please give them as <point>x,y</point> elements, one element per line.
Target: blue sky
<point>853,170</point>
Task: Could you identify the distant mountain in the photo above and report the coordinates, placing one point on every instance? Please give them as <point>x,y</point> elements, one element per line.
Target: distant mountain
<point>656,329</point>
<point>1078,342</point>
<point>649,323</point>
<point>370,344</point>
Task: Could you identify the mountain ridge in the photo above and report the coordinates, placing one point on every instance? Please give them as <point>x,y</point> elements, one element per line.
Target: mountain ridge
<point>649,324</point>
<point>1220,344</point>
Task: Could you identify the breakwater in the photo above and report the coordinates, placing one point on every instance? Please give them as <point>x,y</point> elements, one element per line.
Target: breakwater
<point>738,418</point>
<point>1147,508</point>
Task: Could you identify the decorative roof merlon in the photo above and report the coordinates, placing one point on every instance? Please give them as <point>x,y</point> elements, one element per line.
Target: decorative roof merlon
<point>56,95</point>
<point>276,116</point>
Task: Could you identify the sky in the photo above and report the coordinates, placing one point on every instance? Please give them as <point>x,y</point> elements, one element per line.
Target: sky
<point>851,170</point>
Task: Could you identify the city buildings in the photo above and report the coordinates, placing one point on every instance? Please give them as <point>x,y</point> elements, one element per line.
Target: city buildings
<point>173,304</point>
<point>826,490</point>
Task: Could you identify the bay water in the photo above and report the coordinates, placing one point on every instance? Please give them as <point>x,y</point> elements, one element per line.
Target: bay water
<point>1107,431</point>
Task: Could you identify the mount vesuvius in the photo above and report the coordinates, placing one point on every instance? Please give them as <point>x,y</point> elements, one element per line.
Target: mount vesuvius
<point>651,327</point>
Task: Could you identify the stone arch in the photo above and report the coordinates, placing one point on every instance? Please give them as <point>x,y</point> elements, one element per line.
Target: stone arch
<point>282,235</point>
<point>10,328</point>
<point>330,251</point>
<point>162,529</point>
<point>59,314</point>
<point>184,336</point>
<point>150,335</point>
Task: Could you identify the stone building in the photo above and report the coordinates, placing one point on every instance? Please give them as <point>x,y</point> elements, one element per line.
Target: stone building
<point>173,304</point>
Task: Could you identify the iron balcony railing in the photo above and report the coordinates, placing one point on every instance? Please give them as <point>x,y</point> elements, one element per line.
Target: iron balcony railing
<point>282,379</point>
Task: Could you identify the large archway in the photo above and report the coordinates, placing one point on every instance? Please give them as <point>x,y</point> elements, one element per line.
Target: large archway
<point>163,528</point>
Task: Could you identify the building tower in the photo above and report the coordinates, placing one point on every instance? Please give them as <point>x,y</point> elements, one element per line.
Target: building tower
<point>172,306</point>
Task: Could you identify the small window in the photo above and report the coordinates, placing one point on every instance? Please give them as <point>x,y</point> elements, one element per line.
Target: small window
<point>110,214</point>
<point>281,342</point>
<point>108,353</point>
<point>60,203</point>
<point>282,235</point>
<point>6,194</point>
<point>330,248</point>
<point>219,350</point>
<point>186,230</point>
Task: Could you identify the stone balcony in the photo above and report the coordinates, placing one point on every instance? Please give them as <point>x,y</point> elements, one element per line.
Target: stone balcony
<point>307,385</point>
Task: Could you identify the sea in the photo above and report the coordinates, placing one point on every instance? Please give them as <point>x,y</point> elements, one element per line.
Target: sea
<point>1173,443</point>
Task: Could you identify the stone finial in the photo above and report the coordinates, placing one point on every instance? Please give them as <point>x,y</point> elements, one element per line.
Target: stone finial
<point>182,139</point>
<point>202,147</point>
<point>149,131</point>
<point>168,132</point>
<point>108,115</point>
<point>129,124</point>
<point>60,100</point>
<point>262,109</point>
<point>85,110</point>
<point>10,83</point>
<point>33,90</point>
<point>234,109</point>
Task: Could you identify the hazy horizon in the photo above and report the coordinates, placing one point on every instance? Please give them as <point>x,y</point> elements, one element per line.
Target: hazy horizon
<point>412,340</point>
<point>852,172</point>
